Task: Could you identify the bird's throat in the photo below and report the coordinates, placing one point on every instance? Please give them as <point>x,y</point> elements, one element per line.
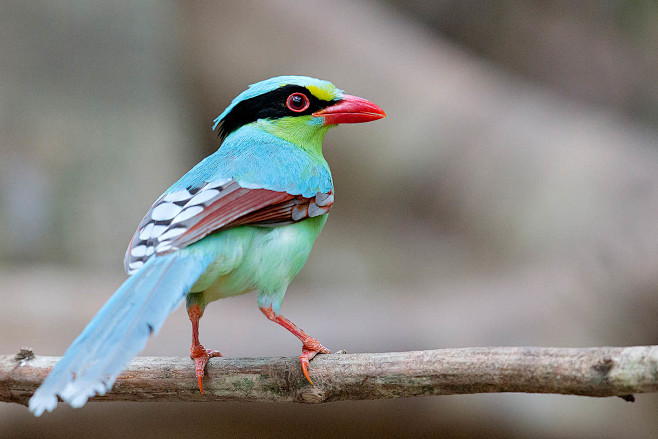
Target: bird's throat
<point>305,132</point>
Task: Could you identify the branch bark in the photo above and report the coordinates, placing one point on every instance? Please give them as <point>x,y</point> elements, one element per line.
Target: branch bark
<point>604,371</point>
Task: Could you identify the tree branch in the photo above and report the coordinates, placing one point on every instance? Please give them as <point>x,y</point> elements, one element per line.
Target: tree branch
<point>605,371</point>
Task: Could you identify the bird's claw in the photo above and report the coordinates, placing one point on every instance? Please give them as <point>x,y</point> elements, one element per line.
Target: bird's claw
<point>201,355</point>
<point>310,349</point>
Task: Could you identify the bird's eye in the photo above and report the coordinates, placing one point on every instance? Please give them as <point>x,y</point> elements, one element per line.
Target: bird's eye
<point>297,102</point>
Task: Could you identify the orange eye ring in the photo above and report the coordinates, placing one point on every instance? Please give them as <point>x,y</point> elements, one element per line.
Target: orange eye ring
<point>297,102</point>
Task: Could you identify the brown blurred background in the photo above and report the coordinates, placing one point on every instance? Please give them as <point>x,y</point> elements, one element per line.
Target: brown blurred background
<point>510,197</point>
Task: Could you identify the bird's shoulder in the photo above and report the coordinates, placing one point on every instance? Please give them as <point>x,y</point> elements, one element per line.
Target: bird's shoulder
<point>259,160</point>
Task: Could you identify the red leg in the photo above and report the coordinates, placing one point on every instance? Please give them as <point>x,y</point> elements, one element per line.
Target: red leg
<point>198,353</point>
<point>310,346</point>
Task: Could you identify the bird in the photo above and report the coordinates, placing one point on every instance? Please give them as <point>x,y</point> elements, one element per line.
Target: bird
<point>243,219</point>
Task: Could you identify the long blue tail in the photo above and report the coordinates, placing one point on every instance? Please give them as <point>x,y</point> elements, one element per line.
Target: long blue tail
<point>120,329</point>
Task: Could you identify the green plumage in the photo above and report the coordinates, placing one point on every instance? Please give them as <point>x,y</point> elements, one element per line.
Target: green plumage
<point>247,258</point>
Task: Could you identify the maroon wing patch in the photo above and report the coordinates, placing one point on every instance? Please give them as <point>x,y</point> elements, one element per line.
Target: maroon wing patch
<point>181,218</point>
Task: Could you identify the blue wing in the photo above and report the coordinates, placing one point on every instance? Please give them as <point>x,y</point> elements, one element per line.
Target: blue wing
<point>241,183</point>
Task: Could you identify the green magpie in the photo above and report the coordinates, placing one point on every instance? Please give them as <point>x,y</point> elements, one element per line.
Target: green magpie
<point>243,219</point>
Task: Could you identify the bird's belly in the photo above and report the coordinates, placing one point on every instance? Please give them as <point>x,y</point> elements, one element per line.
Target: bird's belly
<point>257,258</point>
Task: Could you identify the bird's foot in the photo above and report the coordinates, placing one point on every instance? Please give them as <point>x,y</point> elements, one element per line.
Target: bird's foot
<point>201,355</point>
<point>310,349</point>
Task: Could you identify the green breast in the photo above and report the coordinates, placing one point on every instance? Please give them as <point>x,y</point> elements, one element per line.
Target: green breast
<point>256,258</point>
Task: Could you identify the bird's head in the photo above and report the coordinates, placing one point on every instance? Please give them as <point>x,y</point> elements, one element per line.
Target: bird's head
<point>298,109</point>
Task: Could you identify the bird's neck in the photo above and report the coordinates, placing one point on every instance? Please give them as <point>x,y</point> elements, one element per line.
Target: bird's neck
<point>305,132</point>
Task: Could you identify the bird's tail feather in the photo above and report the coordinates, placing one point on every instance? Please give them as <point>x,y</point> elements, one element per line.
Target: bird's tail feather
<point>120,329</point>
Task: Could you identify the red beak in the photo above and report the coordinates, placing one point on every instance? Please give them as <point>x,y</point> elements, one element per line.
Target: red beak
<point>351,109</point>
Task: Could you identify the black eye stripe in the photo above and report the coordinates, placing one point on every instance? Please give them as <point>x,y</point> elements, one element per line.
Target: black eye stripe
<point>270,105</point>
